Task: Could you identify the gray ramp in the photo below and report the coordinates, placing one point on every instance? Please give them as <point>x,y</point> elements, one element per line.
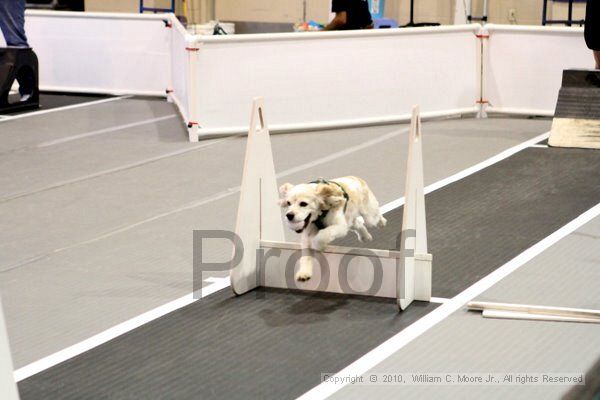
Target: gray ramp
<point>577,117</point>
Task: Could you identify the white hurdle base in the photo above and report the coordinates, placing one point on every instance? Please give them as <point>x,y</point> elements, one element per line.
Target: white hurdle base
<point>269,261</point>
<point>366,271</point>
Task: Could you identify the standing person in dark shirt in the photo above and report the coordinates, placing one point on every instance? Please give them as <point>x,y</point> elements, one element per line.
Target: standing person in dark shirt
<point>350,14</point>
<point>592,28</point>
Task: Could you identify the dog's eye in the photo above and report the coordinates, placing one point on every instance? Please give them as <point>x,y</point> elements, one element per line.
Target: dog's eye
<point>289,204</point>
<point>303,204</point>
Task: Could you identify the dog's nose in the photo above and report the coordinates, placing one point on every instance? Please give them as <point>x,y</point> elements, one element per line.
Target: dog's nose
<point>289,216</point>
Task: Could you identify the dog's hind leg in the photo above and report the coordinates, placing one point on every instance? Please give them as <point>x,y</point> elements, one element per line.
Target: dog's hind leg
<point>371,212</point>
<point>361,230</point>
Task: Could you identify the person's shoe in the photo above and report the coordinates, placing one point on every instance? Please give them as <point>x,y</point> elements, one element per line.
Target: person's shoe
<point>25,97</point>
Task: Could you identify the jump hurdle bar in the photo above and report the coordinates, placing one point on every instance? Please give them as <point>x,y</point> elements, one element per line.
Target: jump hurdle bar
<point>269,261</point>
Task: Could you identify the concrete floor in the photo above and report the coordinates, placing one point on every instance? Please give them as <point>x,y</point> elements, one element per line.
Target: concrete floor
<point>101,225</point>
<point>101,201</point>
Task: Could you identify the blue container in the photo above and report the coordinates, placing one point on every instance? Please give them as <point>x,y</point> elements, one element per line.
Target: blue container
<point>376,7</point>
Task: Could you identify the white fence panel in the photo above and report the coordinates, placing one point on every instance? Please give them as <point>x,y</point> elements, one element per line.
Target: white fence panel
<point>101,52</point>
<point>334,79</point>
<point>180,72</point>
<point>523,66</point>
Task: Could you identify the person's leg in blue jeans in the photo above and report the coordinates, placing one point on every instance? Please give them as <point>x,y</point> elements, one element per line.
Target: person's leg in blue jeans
<point>12,23</point>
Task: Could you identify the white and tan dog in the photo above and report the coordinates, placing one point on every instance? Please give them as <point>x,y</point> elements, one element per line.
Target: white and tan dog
<point>322,211</point>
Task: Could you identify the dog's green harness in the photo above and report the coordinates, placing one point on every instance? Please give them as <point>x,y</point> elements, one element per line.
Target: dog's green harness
<point>320,221</point>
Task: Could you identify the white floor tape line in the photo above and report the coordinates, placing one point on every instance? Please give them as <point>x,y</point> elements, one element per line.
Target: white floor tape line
<point>116,331</point>
<point>70,107</point>
<point>106,130</point>
<point>221,283</point>
<point>397,342</point>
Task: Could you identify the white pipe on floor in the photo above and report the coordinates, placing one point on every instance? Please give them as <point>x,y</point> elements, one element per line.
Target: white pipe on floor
<point>534,309</point>
<point>499,314</point>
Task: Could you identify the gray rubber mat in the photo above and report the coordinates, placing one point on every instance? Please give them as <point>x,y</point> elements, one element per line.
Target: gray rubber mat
<point>266,344</point>
<point>50,100</point>
<point>272,344</point>
<point>479,223</point>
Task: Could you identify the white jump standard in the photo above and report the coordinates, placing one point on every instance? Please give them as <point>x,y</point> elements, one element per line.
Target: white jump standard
<point>269,261</point>
<point>8,386</point>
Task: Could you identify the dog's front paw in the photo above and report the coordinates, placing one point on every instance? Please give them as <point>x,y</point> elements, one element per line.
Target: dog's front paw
<point>303,275</point>
<point>382,222</point>
<point>365,237</point>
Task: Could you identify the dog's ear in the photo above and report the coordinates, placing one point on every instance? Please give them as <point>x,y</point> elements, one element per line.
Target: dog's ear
<point>283,189</point>
<point>283,192</point>
<point>330,196</point>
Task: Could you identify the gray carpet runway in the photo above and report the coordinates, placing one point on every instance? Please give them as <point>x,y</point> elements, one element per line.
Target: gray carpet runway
<point>265,345</point>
